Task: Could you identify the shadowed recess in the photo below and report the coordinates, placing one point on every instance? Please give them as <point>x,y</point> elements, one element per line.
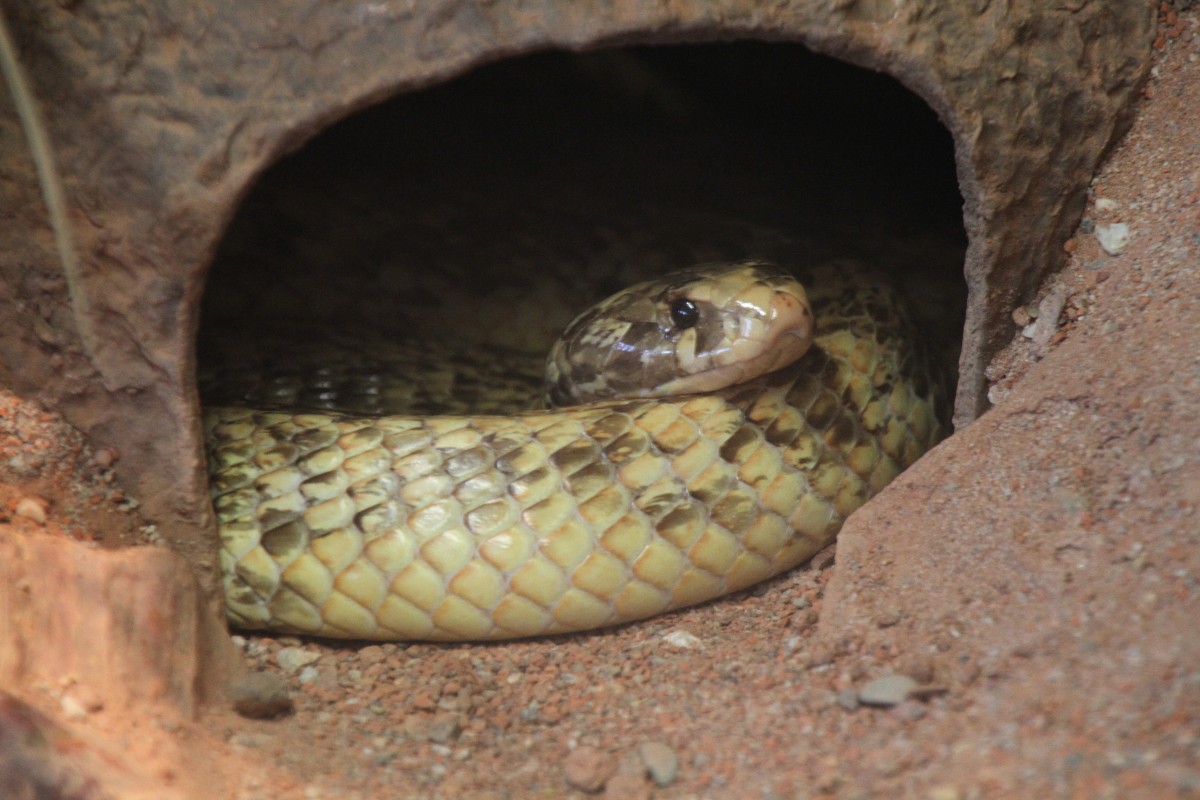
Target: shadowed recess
<point>493,208</point>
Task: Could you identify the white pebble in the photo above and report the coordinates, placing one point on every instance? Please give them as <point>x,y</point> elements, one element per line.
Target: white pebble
<point>1105,204</point>
<point>1113,238</point>
<point>681,639</point>
<point>72,709</point>
<point>33,508</point>
<point>291,659</point>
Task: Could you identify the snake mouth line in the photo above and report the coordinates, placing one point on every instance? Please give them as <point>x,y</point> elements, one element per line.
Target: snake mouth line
<point>781,351</point>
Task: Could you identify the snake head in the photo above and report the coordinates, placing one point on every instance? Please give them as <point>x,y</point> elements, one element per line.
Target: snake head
<point>696,330</point>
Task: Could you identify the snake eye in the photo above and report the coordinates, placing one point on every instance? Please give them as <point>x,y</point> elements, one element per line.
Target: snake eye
<point>684,313</point>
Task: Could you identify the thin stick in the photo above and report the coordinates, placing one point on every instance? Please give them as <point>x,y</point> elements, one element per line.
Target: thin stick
<point>49,179</point>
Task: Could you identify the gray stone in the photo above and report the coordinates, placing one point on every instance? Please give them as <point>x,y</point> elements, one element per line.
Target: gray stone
<point>661,760</point>
<point>889,690</point>
<point>261,695</point>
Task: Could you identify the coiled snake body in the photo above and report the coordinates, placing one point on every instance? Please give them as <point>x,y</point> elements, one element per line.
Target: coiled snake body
<point>487,527</point>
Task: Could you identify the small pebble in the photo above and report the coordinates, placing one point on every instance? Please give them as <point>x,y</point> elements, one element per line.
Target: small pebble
<point>104,458</point>
<point>945,793</point>
<point>531,712</point>
<point>371,654</point>
<point>918,667</point>
<point>72,709</point>
<point>681,639</point>
<point>662,763</point>
<point>424,701</point>
<point>909,710</point>
<point>1113,238</point>
<point>629,782</point>
<point>1046,323</point>
<point>251,740</point>
<point>444,728</point>
<point>588,768</point>
<point>261,695</point>
<point>1106,204</point>
<point>416,727</point>
<point>291,659</point>
<point>889,690</point>
<point>820,654</point>
<point>32,507</point>
<point>848,699</point>
<point>824,559</point>
<point>20,465</point>
<point>888,618</point>
<point>87,697</point>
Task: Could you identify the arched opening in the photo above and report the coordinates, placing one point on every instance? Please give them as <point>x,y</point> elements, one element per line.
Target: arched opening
<point>447,237</point>
<point>496,206</point>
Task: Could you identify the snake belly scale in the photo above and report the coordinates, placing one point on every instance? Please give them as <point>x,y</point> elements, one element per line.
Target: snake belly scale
<point>490,527</point>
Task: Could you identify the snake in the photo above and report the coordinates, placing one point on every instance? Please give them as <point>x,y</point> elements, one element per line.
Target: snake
<point>702,432</point>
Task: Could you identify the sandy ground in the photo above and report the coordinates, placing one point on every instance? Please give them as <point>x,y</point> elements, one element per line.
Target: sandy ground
<point>1036,578</point>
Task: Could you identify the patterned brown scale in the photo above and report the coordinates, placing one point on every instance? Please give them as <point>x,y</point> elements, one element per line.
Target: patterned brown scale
<point>395,526</point>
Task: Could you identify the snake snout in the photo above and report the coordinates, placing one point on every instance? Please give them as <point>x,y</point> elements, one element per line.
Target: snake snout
<point>768,324</point>
<point>785,337</point>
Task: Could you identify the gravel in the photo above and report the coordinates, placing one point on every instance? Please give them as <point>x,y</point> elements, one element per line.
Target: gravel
<point>261,695</point>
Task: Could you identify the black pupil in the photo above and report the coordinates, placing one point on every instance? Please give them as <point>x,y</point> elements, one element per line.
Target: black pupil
<point>684,313</point>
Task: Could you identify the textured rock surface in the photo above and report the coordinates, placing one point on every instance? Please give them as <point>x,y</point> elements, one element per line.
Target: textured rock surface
<point>124,624</point>
<point>160,120</point>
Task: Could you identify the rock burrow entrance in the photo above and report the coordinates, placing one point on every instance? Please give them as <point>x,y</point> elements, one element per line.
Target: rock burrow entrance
<point>160,122</point>
<point>495,207</point>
